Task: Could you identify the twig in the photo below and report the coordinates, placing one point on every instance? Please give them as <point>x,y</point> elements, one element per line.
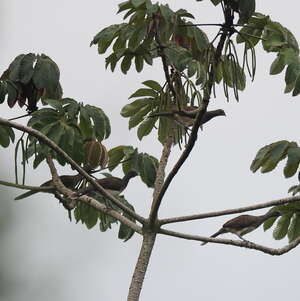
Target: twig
<point>229,211</point>
<point>26,187</point>
<point>237,243</point>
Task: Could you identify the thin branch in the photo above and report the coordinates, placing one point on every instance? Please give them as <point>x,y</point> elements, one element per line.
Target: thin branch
<point>202,24</point>
<point>229,211</point>
<point>26,187</point>
<point>71,197</point>
<point>237,243</point>
<point>44,139</point>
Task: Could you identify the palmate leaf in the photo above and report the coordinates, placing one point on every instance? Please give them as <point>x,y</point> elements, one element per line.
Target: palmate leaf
<point>145,164</point>
<point>270,155</point>
<point>7,135</point>
<point>288,224</point>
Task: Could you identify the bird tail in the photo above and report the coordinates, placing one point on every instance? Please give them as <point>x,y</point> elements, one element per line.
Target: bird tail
<point>221,231</point>
<point>25,195</point>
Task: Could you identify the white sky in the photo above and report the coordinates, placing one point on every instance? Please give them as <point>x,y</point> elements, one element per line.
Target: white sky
<point>54,259</point>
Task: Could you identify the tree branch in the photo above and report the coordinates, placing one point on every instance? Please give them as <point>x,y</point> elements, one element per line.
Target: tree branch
<point>71,197</point>
<point>44,139</point>
<point>229,211</point>
<point>26,187</point>
<point>237,243</point>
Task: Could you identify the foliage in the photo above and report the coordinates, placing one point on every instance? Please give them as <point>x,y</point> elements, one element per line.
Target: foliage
<point>193,66</point>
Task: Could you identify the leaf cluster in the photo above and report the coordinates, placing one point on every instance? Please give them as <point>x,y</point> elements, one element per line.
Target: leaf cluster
<point>145,164</point>
<point>288,224</point>
<point>28,79</point>
<point>89,216</point>
<point>69,124</point>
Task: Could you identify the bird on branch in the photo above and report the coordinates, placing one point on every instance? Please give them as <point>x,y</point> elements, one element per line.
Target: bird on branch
<point>244,224</point>
<point>70,181</point>
<point>113,185</point>
<point>186,116</point>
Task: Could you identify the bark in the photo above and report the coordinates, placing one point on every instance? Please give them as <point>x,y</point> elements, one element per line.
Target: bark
<point>141,266</point>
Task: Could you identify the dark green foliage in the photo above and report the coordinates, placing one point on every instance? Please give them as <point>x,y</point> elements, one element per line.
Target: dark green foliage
<point>145,164</point>
<point>89,216</point>
<point>68,124</point>
<point>270,155</point>
<point>7,135</point>
<point>28,79</point>
<point>136,41</point>
<point>288,225</point>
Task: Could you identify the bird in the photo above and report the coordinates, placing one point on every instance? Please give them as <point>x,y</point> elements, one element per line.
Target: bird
<point>186,116</point>
<point>244,224</point>
<point>113,185</point>
<point>70,181</point>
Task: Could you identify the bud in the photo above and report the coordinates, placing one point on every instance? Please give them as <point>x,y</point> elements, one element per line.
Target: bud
<point>95,154</point>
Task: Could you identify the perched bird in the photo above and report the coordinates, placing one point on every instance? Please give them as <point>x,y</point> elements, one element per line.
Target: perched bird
<point>244,224</point>
<point>186,116</point>
<point>68,180</point>
<point>112,185</point>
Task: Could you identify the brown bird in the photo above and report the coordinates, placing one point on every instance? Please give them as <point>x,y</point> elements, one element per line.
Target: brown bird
<point>68,180</point>
<point>186,116</point>
<point>113,185</point>
<point>244,224</point>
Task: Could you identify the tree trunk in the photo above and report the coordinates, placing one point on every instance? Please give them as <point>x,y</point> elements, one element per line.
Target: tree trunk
<point>141,266</point>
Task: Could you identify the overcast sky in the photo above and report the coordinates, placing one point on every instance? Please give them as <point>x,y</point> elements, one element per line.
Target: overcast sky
<point>49,258</point>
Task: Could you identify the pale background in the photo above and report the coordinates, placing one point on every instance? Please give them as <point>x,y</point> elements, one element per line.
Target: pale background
<point>45,257</point>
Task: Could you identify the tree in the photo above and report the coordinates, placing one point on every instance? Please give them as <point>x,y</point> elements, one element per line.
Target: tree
<point>186,49</point>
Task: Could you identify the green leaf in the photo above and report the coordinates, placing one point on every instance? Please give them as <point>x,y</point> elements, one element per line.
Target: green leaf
<point>278,65</point>
<point>247,9</point>
<point>135,106</point>
<point>115,155</point>
<point>153,85</point>
<point>54,103</point>
<point>126,63</point>
<point>269,223</point>
<point>260,158</point>
<point>101,122</point>
<point>139,63</point>
<point>294,228</point>
<point>144,92</point>
<point>139,116</point>
<point>138,36</point>
<point>85,124</point>
<point>12,91</point>
<point>282,226</point>
<point>201,38</point>
<point>26,68</point>
<point>292,73</point>
<point>147,169</point>
<point>277,153</point>
<point>107,35</point>
<point>146,127</point>
<point>296,91</point>
<point>293,161</point>
<point>137,3</point>
<point>14,68</point>
<point>46,75</point>
<point>3,91</point>
<point>4,136</point>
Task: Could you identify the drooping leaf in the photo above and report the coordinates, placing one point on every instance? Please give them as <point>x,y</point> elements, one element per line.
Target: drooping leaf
<point>294,228</point>
<point>282,226</point>
<point>146,127</point>
<point>292,161</point>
